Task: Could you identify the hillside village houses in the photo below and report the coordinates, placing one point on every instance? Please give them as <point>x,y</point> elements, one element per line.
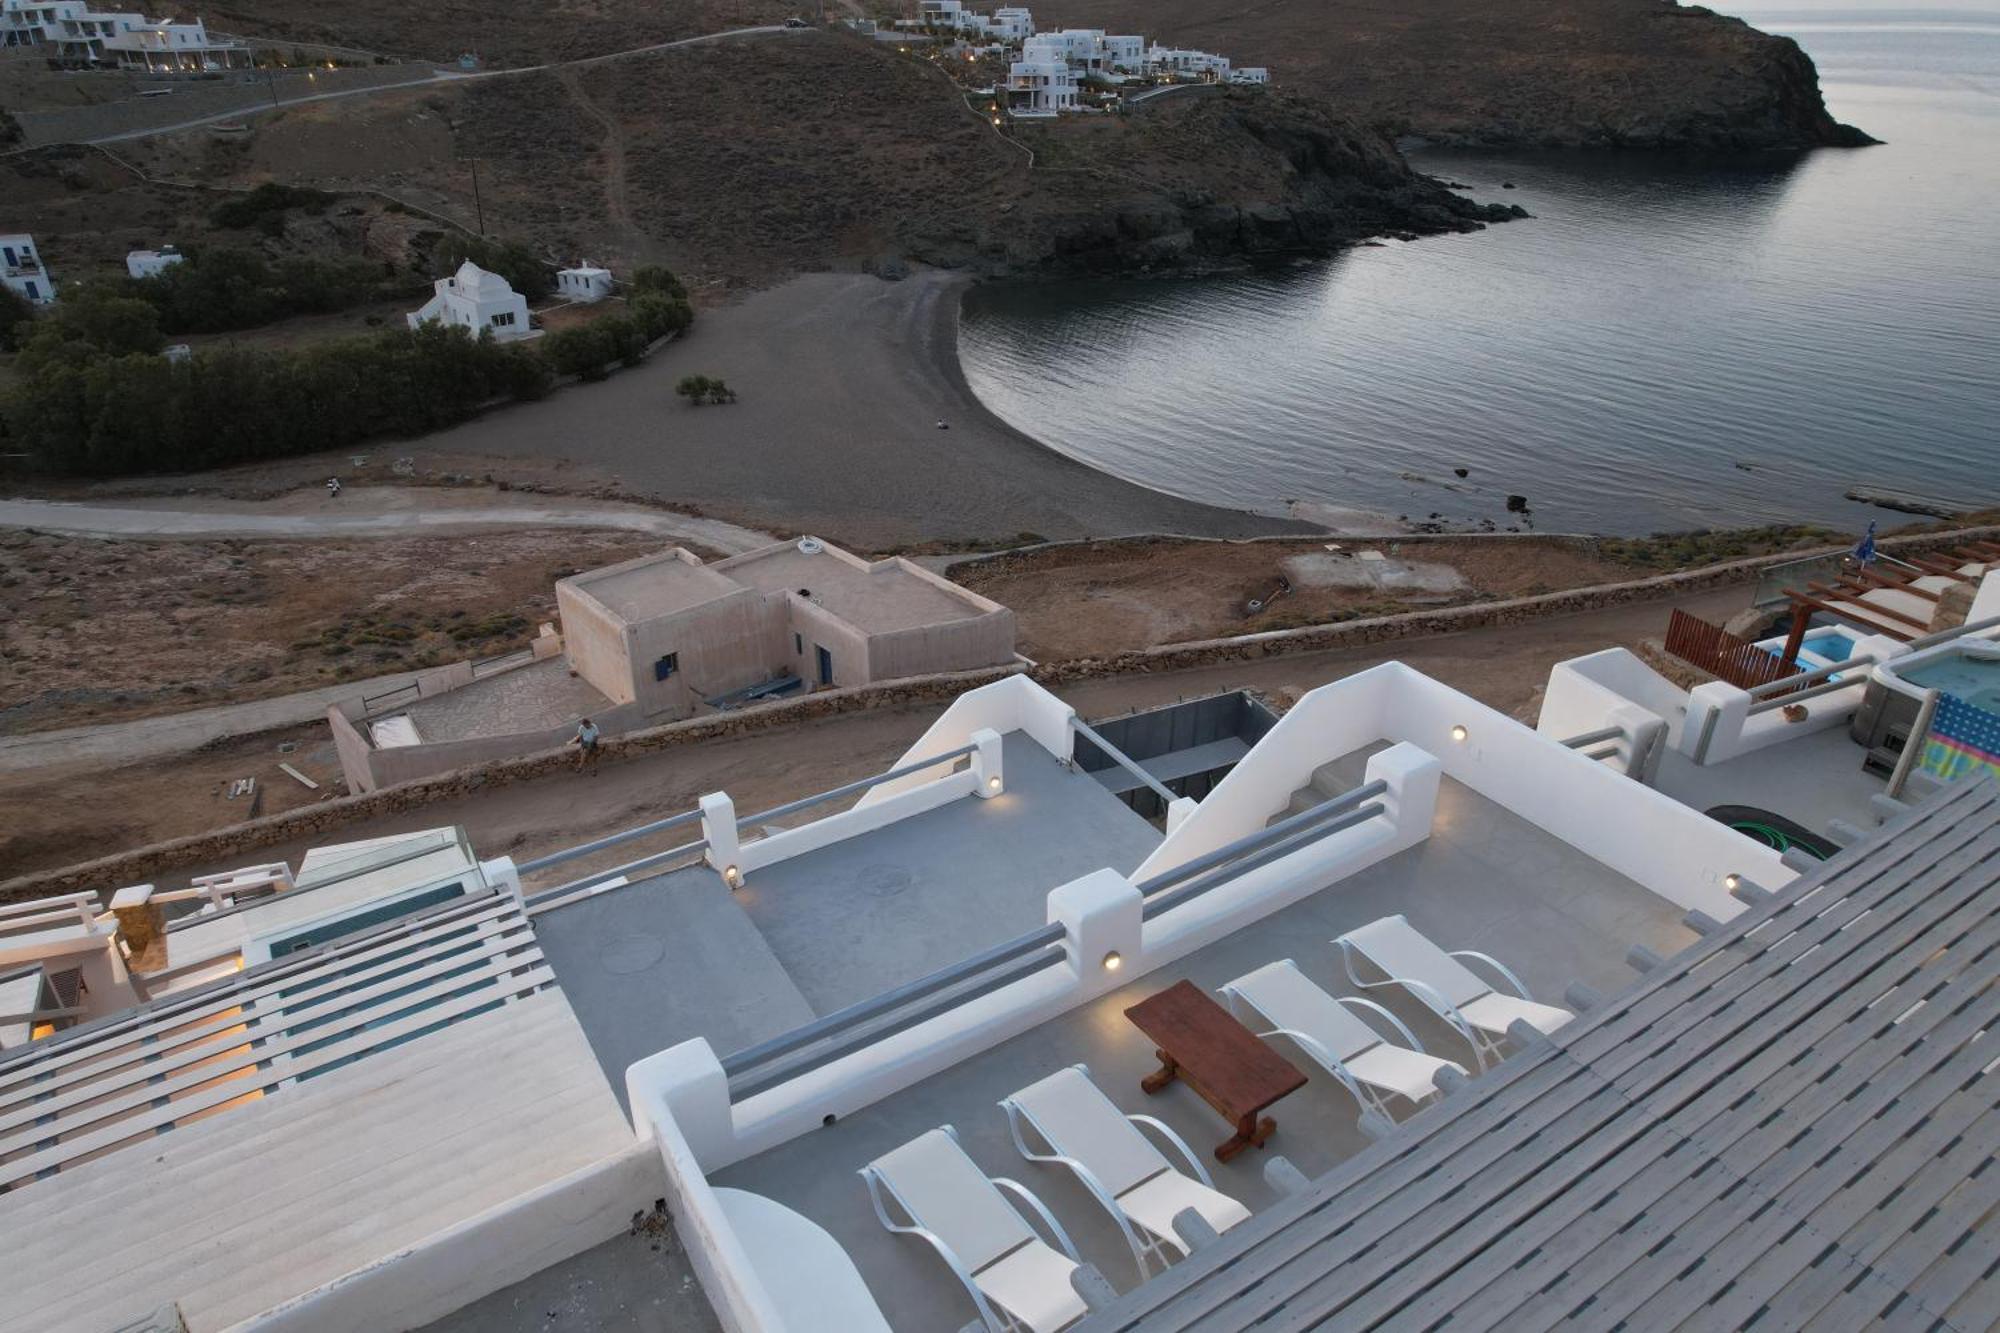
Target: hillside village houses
<point>67,30</point>
<point>22,272</point>
<point>152,263</point>
<point>477,301</point>
<point>1045,77</point>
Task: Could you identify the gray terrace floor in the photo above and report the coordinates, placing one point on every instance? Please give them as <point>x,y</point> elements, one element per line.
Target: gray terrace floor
<point>535,697</point>
<point>1813,781</point>
<point>1484,880</point>
<point>679,956</point>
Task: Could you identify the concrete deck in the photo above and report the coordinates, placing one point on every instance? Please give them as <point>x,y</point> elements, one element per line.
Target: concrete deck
<point>679,956</point>
<point>1813,781</point>
<point>1484,880</point>
<point>530,698</point>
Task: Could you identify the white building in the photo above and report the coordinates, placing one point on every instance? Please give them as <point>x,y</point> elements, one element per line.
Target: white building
<point>478,302</point>
<point>1012,24</point>
<point>152,263</point>
<point>69,30</point>
<point>586,283</point>
<point>1179,63</point>
<point>21,269</point>
<point>1255,75</point>
<point>1040,86</point>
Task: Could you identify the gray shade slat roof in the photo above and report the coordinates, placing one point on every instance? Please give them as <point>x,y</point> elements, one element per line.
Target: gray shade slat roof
<point>1790,1124</point>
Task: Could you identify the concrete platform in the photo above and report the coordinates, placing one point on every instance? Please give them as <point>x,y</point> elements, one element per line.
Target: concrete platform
<point>1484,880</point>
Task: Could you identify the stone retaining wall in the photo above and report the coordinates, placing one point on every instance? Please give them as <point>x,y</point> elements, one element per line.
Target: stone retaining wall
<point>137,866</point>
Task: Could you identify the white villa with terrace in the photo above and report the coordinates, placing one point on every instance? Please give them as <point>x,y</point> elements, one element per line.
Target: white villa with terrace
<point>478,302</point>
<point>69,30</point>
<point>1037,85</point>
<point>1671,1011</point>
<point>22,271</point>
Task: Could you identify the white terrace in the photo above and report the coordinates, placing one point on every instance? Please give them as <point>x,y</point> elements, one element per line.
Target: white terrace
<point>405,1097</point>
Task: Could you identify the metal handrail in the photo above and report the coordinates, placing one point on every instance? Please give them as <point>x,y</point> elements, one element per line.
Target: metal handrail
<point>750,1070</point>
<point>613,840</point>
<point>1264,836</point>
<point>848,789</point>
<point>1194,888</point>
<point>1593,737</point>
<point>1122,759</point>
<point>874,1006</point>
<point>628,869</point>
<point>1812,692</point>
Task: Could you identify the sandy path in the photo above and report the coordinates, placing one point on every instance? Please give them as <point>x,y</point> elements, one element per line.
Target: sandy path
<point>362,512</point>
<point>841,379</point>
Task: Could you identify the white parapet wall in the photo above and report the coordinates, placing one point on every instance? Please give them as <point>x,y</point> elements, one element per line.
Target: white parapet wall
<point>1720,725</point>
<point>1013,704</point>
<point>1648,837</point>
<point>1583,694</point>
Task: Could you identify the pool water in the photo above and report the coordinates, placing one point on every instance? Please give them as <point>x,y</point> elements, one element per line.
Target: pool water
<point>1976,680</point>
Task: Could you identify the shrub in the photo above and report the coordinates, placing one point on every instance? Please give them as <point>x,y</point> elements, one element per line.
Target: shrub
<point>214,291</point>
<point>699,389</point>
<point>17,315</point>
<point>659,280</point>
<point>512,260</point>
<point>268,200</point>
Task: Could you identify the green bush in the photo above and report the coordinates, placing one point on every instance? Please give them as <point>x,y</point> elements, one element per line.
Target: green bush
<point>657,279</point>
<point>512,260</point>
<point>699,389</point>
<point>97,412</point>
<point>17,319</point>
<point>214,291</point>
<point>267,201</point>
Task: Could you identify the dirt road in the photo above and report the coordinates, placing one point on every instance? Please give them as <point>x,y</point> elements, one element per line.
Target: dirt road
<point>1505,668</point>
<point>364,512</point>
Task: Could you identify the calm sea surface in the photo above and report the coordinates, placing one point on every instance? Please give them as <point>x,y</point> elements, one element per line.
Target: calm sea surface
<point>1666,344</point>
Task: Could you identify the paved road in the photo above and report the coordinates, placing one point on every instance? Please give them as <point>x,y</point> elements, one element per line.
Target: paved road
<point>265,107</point>
<point>365,512</point>
<point>177,733</point>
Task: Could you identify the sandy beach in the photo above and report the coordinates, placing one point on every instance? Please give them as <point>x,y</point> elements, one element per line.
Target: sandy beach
<point>841,380</point>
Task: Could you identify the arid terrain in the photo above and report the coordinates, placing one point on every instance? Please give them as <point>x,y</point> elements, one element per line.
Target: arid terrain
<point>1101,598</point>
<point>92,631</point>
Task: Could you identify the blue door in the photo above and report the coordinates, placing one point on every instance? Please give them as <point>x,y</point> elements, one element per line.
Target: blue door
<point>825,665</point>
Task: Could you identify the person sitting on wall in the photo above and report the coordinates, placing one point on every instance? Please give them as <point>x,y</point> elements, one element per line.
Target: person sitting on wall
<point>585,742</point>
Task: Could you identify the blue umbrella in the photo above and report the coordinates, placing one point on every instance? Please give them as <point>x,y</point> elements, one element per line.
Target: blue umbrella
<point>1865,552</point>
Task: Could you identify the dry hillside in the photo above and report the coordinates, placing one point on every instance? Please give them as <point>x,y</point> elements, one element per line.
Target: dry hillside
<point>1628,73</point>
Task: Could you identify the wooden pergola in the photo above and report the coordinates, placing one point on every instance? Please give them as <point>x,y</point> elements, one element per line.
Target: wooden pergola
<point>1846,598</point>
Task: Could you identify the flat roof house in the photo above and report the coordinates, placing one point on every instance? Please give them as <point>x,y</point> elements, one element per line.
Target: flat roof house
<point>478,302</point>
<point>586,283</point>
<point>659,638</point>
<point>152,263</point>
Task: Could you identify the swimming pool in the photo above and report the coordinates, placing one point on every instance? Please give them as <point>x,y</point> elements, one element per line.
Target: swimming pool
<point>1972,677</point>
<point>1826,646</point>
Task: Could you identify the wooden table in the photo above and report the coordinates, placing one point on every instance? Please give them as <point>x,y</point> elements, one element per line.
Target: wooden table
<point>1203,1046</point>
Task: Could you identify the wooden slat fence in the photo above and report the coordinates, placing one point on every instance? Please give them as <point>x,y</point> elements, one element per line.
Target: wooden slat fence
<point>1721,654</point>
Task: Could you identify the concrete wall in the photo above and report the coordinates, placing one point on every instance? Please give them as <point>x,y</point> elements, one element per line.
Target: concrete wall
<point>482,1254</point>
<point>958,646</point>
<point>1735,731</point>
<point>391,765</point>
<point>723,645</point>
<point>818,627</point>
<point>1583,693</point>
<point>596,642</point>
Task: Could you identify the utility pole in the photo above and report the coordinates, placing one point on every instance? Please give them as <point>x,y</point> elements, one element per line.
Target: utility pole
<point>479,208</point>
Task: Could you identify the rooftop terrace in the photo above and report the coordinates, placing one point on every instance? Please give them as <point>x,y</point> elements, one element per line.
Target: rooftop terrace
<point>655,585</point>
<point>1485,879</point>
<point>678,955</point>
<point>876,598</point>
<point>535,697</point>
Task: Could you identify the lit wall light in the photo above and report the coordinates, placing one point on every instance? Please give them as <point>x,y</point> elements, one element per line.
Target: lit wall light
<point>1459,733</point>
<point>993,784</point>
<point>1731,882</point>
<point>732,876</point>
<point>1113,961</point>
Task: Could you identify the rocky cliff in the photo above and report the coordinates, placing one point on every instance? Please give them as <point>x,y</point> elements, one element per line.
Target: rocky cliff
<point>1554,73</point>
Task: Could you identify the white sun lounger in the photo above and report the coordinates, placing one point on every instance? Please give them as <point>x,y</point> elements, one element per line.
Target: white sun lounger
<point>1361,1059</point>
<point>1447,987</point>
<point>1134,1181</point>
<point>1017,1280</point>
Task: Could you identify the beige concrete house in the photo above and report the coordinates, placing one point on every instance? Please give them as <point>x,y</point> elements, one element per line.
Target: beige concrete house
<point>665,636</point>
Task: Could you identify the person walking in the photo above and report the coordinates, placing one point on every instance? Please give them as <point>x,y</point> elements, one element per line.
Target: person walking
<point>333,488</point>
<point>585,742</point>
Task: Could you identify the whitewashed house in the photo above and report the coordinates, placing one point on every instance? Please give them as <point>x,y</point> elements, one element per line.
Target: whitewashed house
<point>1012,23</point>
<point>585,284</point>
<point>1041,85</point>
<point>1253,75</point>
<point>70,30</point>
<point>21,269</point>
<point>1179,63</point>
<point>152,263</point>
<point>478,302</point>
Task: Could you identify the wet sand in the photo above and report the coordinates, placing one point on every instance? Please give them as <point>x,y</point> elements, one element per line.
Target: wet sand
<point>841,379</point>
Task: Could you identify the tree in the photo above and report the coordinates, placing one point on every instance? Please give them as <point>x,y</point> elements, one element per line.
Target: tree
<point>658,279</point>
<point>17,317</point>
<point>512,260</point>
<point>694,388</point>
